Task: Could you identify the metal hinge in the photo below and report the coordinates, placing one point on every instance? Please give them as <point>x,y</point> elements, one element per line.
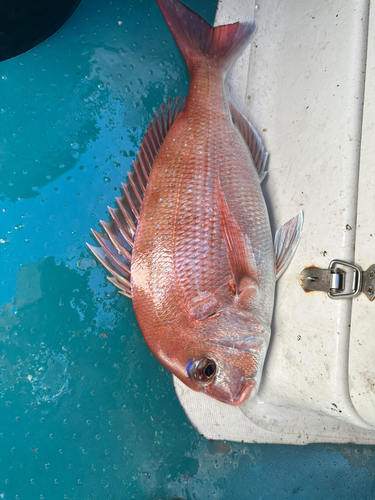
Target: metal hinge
<point>341,281</point>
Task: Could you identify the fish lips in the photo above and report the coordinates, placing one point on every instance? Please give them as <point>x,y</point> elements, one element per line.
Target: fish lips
<point>229,390</point>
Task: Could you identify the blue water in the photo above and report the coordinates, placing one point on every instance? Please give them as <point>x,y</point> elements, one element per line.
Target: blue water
<point>86,412</point>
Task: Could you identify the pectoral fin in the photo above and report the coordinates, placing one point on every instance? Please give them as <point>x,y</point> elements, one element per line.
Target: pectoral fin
<point>287,238</point>
<point>239,251</point>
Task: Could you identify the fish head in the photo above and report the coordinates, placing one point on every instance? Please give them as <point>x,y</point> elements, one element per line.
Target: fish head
<point>225,360</point>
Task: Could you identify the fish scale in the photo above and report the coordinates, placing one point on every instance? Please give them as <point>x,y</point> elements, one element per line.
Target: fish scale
<point>189,179</point>
<point>206,246</point>
<point>198,244</point>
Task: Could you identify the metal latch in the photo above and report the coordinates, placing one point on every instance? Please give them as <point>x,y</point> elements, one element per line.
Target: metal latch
<point>341,281</point>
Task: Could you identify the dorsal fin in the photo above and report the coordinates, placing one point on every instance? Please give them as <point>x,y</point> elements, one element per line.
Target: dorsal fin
<point>117,241</point>
<point>252,139</point>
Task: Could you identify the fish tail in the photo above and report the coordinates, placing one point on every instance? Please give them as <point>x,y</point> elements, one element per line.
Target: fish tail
<point>198,40</point>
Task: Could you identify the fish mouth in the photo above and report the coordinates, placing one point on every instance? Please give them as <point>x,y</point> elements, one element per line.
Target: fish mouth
<point>233,389</point>
<point>245,391</point>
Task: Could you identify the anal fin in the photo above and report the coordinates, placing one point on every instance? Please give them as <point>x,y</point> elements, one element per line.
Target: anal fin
<point>287,238</point>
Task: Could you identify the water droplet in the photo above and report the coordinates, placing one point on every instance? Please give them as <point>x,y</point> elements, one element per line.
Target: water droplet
<point>86,264</point>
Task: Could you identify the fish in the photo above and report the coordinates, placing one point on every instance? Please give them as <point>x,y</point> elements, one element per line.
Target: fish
<point>190,242</point>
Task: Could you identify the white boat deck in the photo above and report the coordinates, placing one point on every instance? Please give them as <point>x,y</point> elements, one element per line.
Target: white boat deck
<point>307,83</point>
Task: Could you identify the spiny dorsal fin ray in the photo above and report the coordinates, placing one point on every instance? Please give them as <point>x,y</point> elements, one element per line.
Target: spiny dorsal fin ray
<point>102,256</point>
<point>122,264</point>
<point>132,202</point>
<point>122,225</point>
<point>117,239</point>
<point>135,187</point>
<point>141,178</point>
<point>252,139</point>
<point>124,289</point>
<point>117,242</point>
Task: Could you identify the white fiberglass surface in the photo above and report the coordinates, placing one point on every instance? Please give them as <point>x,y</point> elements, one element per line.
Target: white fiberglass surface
<point>304,94</point>
<point>362,335</point>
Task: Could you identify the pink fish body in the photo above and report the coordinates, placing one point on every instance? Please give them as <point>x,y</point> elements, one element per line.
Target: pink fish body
<point>191,242</point>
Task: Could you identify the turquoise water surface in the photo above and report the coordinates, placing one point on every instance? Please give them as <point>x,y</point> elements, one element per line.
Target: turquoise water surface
<point>86,412</point>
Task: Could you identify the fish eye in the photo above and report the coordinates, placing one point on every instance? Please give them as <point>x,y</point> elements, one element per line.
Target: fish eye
<point>204,370</point>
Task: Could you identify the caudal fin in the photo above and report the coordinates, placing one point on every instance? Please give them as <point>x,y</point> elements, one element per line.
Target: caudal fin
<point>197,40</point>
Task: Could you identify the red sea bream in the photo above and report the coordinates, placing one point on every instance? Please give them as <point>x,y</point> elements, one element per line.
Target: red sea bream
<point>191,242</point>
